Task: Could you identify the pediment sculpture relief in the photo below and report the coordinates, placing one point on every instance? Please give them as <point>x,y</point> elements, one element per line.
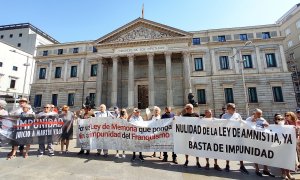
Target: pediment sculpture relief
<point>140,33</point>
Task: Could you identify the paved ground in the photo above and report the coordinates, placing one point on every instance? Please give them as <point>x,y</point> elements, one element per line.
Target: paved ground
<point>71,166</point>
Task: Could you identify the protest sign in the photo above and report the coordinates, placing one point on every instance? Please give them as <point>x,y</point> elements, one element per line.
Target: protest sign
<point>118,134</point>
<point>29,129</point>
<point>236,140</point>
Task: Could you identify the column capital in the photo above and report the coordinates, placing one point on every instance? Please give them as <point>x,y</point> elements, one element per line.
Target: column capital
<point>186,53</point>
<point>168,53</point>
<point>150,55</point>
<point>115,58</point>
<point>130,57</point>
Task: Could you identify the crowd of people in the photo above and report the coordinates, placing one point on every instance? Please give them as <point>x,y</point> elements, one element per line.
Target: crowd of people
<point>229,113</point>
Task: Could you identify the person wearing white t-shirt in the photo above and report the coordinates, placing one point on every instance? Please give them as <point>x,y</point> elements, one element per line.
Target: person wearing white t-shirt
<point>46,112</point>
<point>136,117</point>
<point>22,102</point>
<point>155,116</point>
<point>258,121</point>
<point>232,115</point>
<point>103,113</point>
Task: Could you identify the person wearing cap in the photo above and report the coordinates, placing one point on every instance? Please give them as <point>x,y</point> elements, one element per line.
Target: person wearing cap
<point>298,113</point>
<point>67,130</point>
<point>103,113</point>
<point>136,117</point>
<point>53,109</point>
<point>189,112</point>
<point>86,114</point>
<point>17,112</point>
<point>231,114</point>
<point>3,112</point>
<point>46,112</point>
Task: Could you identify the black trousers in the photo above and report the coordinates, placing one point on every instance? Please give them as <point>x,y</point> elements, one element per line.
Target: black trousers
<point>140,154</point>
<point>174,156</point>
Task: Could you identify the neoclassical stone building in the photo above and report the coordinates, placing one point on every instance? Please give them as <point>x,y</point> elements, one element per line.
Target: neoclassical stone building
<point>144,63</point>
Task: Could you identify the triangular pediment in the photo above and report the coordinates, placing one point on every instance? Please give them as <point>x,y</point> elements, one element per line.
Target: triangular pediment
<point>141,30</point>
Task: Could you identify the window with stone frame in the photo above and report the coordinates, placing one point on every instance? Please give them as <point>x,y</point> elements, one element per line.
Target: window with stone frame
<point>247,61</point>
<point>252,95</point>
<point>271,60</point>
<point>224,62</point>
<point>228,92</point>
<point>277,94</point>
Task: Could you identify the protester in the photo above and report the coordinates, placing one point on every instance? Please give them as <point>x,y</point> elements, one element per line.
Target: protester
<point>154,117</point>
<point>291,119</point>
<point>67,130</point>
<point>103,113</point>
<point>53,109</point>
<point>3,104</point>
<point>166,115</point>
<point>19,110</point>
<point>223,112</point>
<point>45,113</point>
<point>27,113</point>
<point>123,115</point>
<point>85,114</point>
<point>116,112</point>
<point>258,121</point>
<point>189,112</point>
<point>209,116</point>
<point>232,115</point>
<point>136,117</point>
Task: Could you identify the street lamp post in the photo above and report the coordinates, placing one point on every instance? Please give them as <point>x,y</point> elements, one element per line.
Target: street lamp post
<point>26,68</point>
<point>241,63</point>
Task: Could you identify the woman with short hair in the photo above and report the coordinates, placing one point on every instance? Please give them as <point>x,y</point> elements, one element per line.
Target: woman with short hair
<point>124,116</point>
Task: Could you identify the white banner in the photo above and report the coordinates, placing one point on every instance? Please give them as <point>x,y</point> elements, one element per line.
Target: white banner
<point>118,134</point>
<point>236,140</point>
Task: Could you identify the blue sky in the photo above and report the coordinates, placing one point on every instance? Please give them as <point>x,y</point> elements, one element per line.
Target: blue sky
<point>71,20</point>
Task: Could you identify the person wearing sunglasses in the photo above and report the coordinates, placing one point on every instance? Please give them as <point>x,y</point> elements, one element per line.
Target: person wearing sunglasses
<point>46,112</point>
<point>231,114</point>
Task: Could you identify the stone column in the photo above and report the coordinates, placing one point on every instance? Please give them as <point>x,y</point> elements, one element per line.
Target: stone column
<point>82,65</point>
<point>169,79</point>
<point>234,61</point>
<point>283,60</point>
<point>131,81</point>
<point>35,72</point>
<point>260,65</point>
<point>99,82</point>
<point>187,77</point>
<point>49,72</point>
<point>151,79</point>
<point>66,70</point>
<point>213,62</point>
<point>114,90</point>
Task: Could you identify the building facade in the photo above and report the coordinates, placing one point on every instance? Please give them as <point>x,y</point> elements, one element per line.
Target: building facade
<point>144,63</point>
<point>18,44</point>
<point>290,28</point>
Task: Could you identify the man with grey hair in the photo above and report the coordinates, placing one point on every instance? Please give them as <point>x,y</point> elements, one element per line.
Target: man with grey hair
<point>3,104</point>
<point>103,113</point>
<point>258,121</point>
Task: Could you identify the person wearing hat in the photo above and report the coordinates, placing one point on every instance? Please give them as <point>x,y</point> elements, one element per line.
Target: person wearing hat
<point>3,104</point>
<point>19,110</point>
<point>103,113</point>
<point>86,115</point>
<point>136,117</point>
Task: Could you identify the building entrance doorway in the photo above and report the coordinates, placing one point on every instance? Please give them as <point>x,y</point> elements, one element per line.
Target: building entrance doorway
<point>143,99</point>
